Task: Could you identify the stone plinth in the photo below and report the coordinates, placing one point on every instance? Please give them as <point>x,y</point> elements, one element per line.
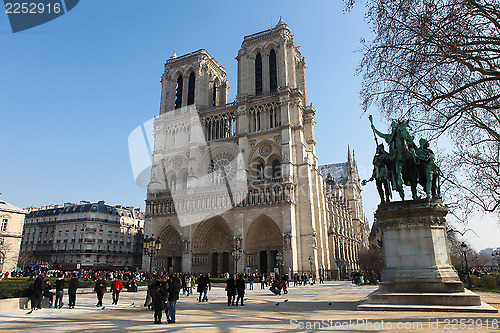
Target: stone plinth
<point>417,257</point>
<point>418,269</point>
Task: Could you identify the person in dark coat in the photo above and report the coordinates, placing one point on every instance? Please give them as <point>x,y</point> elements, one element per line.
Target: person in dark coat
<point>174,287</point>
<point>47,293</point>
<point>231,290</point>
<point>73,286</point>
<point>240,288</point>
<point>158,296</point>
<point>201,282</point>
<point>38,292</point>
<point>59,284</point>
<point>100,289</point>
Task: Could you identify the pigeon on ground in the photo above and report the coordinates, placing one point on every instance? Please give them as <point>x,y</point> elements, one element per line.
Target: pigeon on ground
<point>286,300</point>
<point>330,303</point>
<point>277,304</point>
<point>132,304</point>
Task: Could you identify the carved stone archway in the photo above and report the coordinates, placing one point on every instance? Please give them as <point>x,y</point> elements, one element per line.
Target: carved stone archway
<point>212,244</point>
<point>170,256</point>
<point>263,242</point>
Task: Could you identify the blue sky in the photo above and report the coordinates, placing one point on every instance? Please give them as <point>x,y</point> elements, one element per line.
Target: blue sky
<point>73,89</point>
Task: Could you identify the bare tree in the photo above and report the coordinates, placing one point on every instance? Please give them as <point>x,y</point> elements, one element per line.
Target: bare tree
<point>5,250</point>
<point>371,260</point>
<point>437,63</point>
<point>25,258</point>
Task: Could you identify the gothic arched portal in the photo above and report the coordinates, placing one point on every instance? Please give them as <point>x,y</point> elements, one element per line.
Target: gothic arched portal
<point>170,256</point>
<point>262,243</point>
<point>212,245</point>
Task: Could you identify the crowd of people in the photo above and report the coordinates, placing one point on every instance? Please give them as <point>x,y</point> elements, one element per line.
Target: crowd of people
<point>163,289</point>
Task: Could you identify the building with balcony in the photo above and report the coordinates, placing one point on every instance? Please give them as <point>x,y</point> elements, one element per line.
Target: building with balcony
<point>11,228</point>
<point>91,235</point>
<point>238,186</point>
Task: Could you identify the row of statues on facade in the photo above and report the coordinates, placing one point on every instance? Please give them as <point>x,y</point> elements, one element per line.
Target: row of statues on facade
<point>404,164</point>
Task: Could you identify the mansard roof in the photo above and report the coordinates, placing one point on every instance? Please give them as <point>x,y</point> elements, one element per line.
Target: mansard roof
<point>91,207</point>
<point>5,206</point>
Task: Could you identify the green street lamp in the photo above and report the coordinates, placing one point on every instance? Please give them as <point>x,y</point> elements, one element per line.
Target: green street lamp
<point>151,248</point>
<point>464,249</point>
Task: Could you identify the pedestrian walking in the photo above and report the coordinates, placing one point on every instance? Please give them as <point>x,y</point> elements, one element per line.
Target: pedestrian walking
<point>240,288</point>
<point>116,288</point>
<point>59,284</point>
<point>193,284</point>
<point>72,288</point>
<point>204,286</point>
<point>149,294</point>
<point>100,289</point>
<point>38,292</point>
<point>250,282</point>
<point>158,296</point>
<point>230,290</point>
<point>173,290</point>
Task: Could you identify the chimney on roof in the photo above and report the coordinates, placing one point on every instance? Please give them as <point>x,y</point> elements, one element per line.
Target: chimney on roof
<point>118,206</point>
<point>101,202</point>
<point>84,202</point>
<point>67,204</point>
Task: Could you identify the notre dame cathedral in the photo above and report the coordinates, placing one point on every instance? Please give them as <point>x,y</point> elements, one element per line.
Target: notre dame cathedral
<point>236,187</point>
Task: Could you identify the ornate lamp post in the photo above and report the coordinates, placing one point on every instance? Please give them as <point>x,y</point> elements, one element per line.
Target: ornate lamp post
<point>151,248</point>
<point>464,249</point>
<point>311,260</point>
<point>279,260</point>
<point>237,251</point>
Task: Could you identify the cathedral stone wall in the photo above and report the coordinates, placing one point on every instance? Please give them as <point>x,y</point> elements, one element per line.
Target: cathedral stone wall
<point>237,186</point>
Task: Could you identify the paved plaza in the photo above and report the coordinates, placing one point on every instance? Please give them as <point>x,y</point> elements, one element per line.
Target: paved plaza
<point>331,307</point>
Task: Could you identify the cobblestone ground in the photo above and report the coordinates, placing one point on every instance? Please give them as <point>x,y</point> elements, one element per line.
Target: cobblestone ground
<point>329,307</point>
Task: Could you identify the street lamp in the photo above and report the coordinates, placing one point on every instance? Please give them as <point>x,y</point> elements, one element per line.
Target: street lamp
<point>279,260</point>
<point>151,248</point>
<point>236,255</point>
<point>464,249</point>
<point>311,260</point>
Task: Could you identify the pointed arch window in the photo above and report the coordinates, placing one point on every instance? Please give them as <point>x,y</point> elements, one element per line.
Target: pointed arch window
<point>276,168</point>
<point>184,180</point>
<point>273,71</point>
<point>173,183</point>
<point>258,74</point>
<point>214,94</point>
<point>191,86</point>
<point>178,92</point>
<point>260,170</point>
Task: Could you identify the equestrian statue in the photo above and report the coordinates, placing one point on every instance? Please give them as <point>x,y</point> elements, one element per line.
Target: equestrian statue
<point>404,165</point>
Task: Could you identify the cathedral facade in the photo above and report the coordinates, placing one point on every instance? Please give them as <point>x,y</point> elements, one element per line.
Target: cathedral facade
<point>236,187</point>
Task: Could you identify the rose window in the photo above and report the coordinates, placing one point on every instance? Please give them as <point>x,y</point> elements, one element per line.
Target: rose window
<point>222,168</point>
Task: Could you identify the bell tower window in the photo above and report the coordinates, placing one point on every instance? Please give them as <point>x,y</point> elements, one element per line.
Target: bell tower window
<point>214,95</point>
<point>178,92</point>
<point>258,74</point>
<point>273,73</point>
<point>191,85</point>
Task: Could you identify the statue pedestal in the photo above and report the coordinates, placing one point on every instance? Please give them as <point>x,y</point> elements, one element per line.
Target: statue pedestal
<point>418,273</point>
